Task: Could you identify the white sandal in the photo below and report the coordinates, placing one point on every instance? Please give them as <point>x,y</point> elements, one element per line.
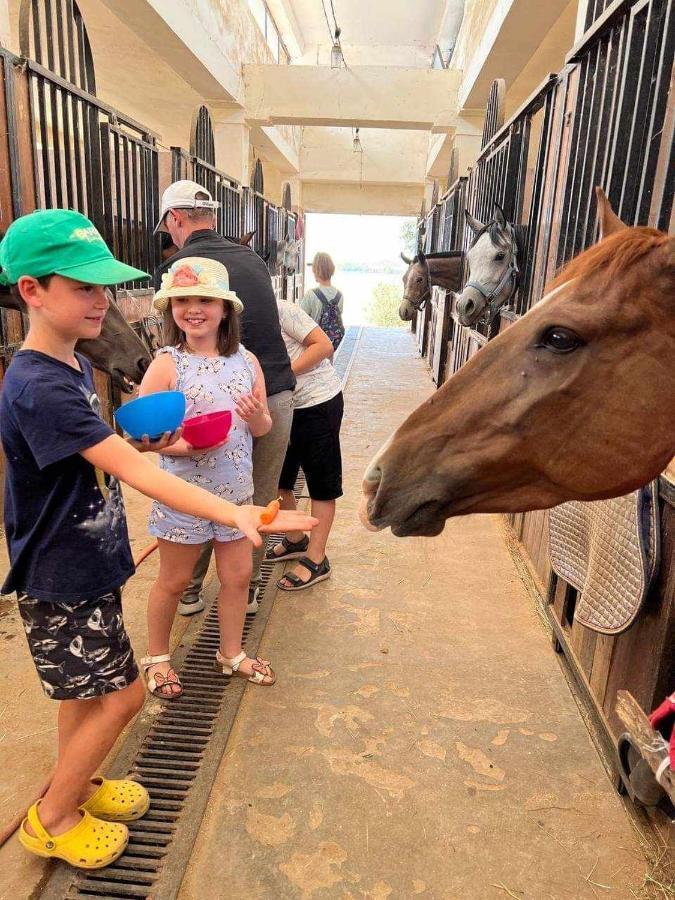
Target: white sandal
<point>156,682</point>
<point>261,668</point>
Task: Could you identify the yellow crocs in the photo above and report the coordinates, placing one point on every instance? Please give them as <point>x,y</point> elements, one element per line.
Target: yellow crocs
<point>117,801</point>
<point>91,844</point>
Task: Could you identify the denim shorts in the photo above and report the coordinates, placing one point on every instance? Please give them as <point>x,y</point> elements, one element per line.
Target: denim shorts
<point>81,650</point>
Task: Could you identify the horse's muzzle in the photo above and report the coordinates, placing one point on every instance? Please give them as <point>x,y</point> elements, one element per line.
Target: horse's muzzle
<point>470,306</point>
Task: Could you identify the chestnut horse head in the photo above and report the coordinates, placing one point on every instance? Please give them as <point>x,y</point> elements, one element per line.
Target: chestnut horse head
<point>425,271</point>
<point>495,260</point>
<point>576,400</point>
<point>117,351</point>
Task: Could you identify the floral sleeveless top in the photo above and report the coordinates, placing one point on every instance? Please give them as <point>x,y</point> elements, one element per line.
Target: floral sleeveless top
<point>212,384</point>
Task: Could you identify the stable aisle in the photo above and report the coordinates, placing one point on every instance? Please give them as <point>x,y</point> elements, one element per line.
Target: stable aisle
<point>421,739</point>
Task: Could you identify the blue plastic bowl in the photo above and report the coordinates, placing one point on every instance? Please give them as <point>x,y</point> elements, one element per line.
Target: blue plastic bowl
<point>152,415</point>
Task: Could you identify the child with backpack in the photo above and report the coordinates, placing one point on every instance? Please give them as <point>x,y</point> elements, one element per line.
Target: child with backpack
<point>325,303</point>
<point>66,529</point>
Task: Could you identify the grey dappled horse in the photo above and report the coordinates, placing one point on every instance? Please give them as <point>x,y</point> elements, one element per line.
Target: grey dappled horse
<point>494,262</point>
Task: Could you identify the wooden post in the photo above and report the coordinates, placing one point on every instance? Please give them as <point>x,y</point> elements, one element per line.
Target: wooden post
<point>651,744</point>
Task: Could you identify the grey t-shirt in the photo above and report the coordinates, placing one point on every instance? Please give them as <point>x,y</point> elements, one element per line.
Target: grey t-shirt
<point>312,305</point>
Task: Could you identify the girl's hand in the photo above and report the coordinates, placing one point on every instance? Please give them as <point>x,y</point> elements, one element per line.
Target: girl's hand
<point>250,409</point>
<point>145,445</point>
<point>254,413</point>
<point>247,519</point>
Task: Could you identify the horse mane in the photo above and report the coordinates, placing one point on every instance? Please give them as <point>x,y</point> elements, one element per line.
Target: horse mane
<point>445,254</point>
<point>613,256</point>
<point>498,236</point>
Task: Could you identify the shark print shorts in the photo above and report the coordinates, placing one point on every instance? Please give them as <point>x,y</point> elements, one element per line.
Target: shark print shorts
<point>80,650</point>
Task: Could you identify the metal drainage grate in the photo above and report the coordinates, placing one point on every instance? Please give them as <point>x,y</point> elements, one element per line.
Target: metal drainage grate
<point>176,754</point>
<point>182,747</point>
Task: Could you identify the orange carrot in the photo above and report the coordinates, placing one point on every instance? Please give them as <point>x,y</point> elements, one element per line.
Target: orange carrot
<point>270,512</point>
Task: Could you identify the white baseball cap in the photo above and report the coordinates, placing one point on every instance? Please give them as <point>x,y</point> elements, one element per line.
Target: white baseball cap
<point>183,195</point>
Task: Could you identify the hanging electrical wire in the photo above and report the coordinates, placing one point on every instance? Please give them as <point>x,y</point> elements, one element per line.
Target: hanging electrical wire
<point>325,13</point>
<point>332,9</point>
<point>337,53</point>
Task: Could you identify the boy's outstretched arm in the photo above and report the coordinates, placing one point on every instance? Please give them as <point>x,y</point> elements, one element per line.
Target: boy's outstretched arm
<point>116,457</point>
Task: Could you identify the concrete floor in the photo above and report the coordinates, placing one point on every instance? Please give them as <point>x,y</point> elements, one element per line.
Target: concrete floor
<point>421,739</point>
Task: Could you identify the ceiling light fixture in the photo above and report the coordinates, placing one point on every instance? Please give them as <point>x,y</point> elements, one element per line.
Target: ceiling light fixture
<point>336,57</point>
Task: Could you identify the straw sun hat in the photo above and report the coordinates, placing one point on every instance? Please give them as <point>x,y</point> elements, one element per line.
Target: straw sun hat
<point>195,276</point>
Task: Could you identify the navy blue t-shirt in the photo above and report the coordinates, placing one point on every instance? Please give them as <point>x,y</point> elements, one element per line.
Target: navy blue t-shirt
<point>64,519</point>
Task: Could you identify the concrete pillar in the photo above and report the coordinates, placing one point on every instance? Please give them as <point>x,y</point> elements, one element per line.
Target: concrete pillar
<point>467,142</point>
<point>231,136</point>
<point>296,194</point>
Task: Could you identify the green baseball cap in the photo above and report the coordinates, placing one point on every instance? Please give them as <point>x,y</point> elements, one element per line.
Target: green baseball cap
<point>60,242</point>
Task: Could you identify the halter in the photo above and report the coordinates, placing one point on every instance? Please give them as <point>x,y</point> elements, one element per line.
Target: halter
<point>512,275</point>
<point>419,304</point>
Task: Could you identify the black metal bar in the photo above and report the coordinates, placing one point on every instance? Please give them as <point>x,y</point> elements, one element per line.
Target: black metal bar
<point>13,138</point>
<point>108,229</point>
<point>614,12</point>
<point>117,172</point>
<point>533,101</point>
<point>49,34</point>
<point>642,125</point>
<point>126,183</point>
<point>115,114</point>
<point>70,19</point>
<point>80,196</point>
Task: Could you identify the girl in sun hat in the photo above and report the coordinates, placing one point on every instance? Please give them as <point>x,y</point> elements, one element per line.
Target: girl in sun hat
<point>205,360</point>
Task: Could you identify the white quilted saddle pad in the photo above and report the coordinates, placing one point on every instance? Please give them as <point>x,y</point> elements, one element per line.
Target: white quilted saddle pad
<point>608,550</point>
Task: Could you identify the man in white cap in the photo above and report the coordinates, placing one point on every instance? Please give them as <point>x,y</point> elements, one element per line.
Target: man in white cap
<point>189,214</point>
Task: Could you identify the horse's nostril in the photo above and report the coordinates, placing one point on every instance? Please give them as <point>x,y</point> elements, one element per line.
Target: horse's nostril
<point>143,364</point>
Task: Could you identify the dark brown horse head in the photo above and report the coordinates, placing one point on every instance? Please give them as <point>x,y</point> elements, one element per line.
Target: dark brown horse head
<point>494,261</point>
<point>425,271</point>
<point>117,351</point>
<point>244,239</point>
<point>576,400</point>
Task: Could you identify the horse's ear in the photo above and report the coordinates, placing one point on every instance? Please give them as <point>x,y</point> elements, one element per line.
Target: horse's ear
<point>406,259</point>
<point>473,224</point>
<point>500,218</point>
<point>421,256</point>
<point>608,219</point>
<point>245,239</point>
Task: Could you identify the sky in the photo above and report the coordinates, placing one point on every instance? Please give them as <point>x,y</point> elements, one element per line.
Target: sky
<point>356,239</point>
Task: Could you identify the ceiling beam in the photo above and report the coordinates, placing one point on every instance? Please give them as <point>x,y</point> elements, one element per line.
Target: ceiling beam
<point>364,96</point>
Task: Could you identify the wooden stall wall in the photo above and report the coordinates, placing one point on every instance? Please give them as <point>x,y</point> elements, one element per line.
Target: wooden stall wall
<point>606,119</point>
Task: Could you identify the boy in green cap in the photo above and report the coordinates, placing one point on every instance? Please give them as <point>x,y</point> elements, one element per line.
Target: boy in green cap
<point>67,533</point>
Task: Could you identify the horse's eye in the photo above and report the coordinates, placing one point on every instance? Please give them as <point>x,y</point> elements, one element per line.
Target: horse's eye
<point>501,255</point>
<point>560,340</point>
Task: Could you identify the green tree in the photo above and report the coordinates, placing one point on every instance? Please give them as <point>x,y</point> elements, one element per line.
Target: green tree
<point>382,308</point>
<point>409,237</point>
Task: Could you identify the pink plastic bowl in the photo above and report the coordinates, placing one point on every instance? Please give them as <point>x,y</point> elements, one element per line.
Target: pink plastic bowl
<point>207,430</point>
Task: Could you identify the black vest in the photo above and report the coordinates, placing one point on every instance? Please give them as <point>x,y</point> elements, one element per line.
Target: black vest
<point>250,280</point>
